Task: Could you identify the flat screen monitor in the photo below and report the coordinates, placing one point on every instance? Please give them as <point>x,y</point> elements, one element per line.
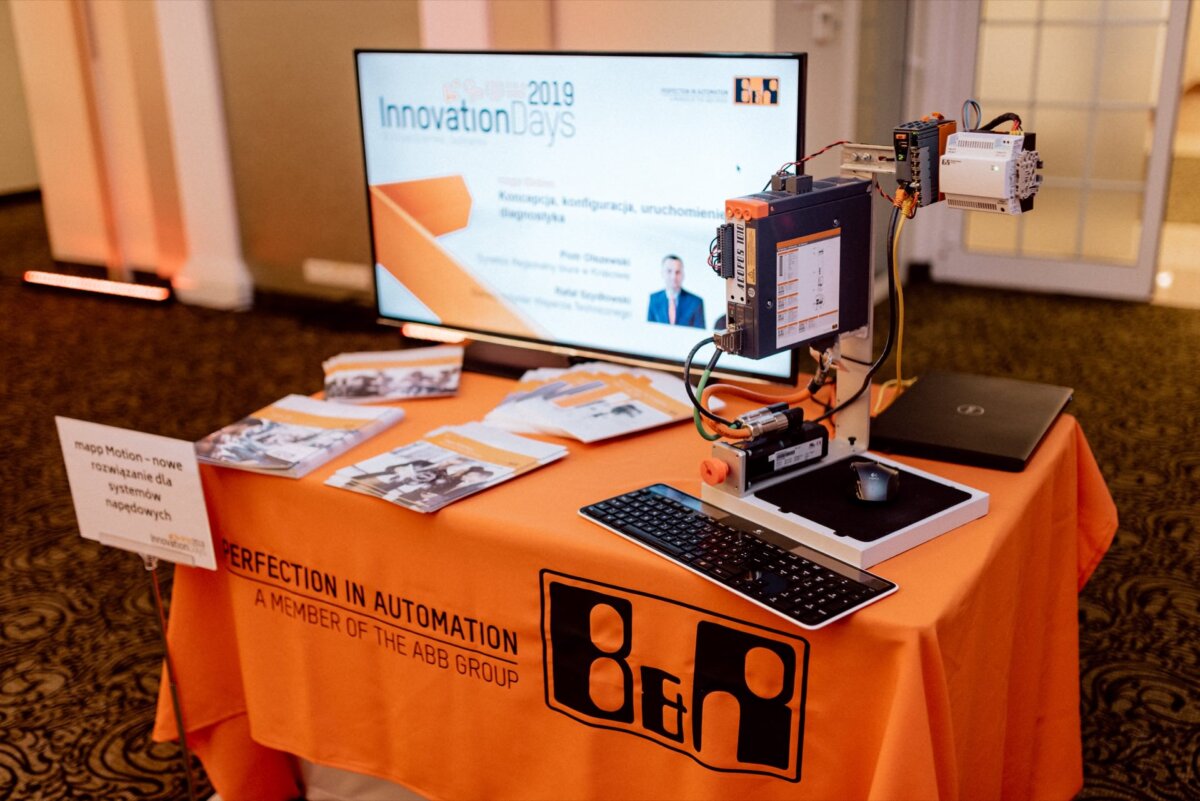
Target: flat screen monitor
<point>567,200</point>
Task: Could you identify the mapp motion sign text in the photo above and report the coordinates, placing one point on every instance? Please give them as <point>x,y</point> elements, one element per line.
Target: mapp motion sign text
<point>517,119</point>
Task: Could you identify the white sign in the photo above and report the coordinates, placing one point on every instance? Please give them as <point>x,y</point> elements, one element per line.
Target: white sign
<point>137,492</point>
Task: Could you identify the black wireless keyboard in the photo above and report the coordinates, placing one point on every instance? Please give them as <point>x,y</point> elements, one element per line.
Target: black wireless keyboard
<point>792,580</point>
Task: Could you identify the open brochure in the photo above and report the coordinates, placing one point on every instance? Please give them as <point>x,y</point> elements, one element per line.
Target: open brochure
<point>371,377</point>
<point>592,401</point>
<point>450,463</point>
<point>294,435</point>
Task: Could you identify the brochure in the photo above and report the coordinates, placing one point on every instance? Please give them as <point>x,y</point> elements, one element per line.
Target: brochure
<point>293,435</point>
<point>448,464</point>
<point>592,401</point>
<point>371,377</point>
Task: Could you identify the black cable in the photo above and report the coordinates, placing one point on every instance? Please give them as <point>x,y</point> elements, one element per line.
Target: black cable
<point>784,169</point>
<point>826,405</point>
<point>687,381</point>
<point>712,255</point>
<point>797,164</point>
<point>968,106</point>
<point>1007,116</point>
<point>893,323</point>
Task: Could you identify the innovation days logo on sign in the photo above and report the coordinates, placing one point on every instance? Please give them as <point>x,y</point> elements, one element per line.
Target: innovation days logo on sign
<point>671,673</point>
<point>537,108</point>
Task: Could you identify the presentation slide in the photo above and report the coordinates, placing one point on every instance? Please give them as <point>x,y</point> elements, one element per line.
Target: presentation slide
<point>567,198</point>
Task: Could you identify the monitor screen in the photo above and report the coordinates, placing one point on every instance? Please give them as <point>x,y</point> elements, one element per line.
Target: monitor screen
<point>561,199</point>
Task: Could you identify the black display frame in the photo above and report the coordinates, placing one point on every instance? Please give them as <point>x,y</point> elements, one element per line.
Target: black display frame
<point>566,350</point>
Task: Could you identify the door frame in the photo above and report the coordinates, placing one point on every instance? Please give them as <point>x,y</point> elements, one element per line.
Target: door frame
<point>942,73</point>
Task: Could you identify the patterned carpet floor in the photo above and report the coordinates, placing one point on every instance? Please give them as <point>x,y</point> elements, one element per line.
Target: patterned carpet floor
<point>79,646</point>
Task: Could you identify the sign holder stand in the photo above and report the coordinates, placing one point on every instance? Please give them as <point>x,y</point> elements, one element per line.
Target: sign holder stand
<point>151,565</point>
<point>159,513</point>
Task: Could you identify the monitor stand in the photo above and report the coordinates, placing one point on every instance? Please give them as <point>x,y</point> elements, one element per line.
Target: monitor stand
<point>495,358</point>
<point>509,361</point>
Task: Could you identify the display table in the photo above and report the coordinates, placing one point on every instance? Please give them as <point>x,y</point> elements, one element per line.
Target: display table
<point>506,648</point>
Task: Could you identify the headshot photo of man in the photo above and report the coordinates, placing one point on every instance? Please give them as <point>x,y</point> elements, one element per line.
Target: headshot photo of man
<point>674,305</point>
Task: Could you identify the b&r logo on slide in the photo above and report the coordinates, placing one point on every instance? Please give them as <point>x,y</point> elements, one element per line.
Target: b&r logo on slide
<point>756,91</point>
<point>727,693</point>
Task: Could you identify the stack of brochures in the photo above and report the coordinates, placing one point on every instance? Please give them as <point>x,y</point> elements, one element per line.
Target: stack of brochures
<point>450,463</point>
<point>591,402</point>
<point>394,374</point>
<point>293,435</point>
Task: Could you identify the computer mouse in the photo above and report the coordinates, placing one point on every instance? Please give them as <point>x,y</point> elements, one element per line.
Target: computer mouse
<point>874,482</point>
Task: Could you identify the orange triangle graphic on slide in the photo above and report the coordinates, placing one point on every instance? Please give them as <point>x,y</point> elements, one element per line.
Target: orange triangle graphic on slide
<point>407,217</point>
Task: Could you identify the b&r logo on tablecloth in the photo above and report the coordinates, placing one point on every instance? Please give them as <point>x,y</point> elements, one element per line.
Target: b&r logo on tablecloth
<point>727,693</point>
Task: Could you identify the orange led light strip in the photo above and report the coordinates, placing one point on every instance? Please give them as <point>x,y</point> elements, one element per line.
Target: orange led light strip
<point>104,287</point>
<point>420,331</point>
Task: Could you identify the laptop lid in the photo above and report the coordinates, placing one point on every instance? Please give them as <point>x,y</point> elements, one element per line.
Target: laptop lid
<point>970,419</point>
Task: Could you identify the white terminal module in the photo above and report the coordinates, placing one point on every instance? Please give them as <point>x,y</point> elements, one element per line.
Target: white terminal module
<point>983,171</point>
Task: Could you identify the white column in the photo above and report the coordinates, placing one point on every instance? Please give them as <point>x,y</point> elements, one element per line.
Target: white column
<point>214,273</point>
<point>72,192</point>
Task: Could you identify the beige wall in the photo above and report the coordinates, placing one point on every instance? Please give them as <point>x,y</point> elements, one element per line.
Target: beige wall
<point>828,33</point>
<point>880,95</point>
<point>1191,58</point>
<point>289,90</point>
<point>287,76</point>
<point>461,24</point>
<point>736,26</point>
<point>287,71</point>
<point>522,25</point>
<point>18,170</point>
<point>669,25</point>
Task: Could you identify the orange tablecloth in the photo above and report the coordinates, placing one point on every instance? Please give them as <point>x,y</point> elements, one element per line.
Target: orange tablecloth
<point>424,649</point>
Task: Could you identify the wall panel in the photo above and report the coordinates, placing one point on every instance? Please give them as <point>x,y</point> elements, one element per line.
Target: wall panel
<point>18,171</point>
<point>288,75</point>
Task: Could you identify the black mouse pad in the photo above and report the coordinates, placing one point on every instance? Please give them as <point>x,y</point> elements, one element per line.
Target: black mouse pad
<point>826,496</point>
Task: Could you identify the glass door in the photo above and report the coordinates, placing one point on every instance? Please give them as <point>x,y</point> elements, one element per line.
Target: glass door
<point>1097,81</point>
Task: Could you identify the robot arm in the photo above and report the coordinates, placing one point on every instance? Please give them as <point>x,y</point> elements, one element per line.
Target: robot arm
<point>796,261</point>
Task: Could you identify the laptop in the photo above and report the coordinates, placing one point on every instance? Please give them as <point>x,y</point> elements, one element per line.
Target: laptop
<point>970,419</point>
